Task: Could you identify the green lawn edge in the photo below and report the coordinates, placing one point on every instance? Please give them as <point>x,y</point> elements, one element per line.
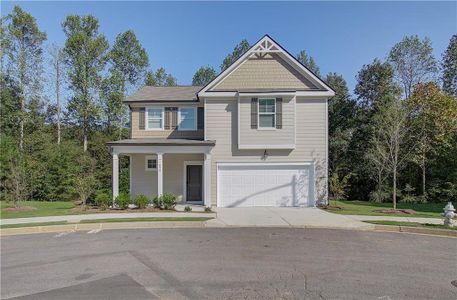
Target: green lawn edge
<point>353,207</point>
<point>411,224</point>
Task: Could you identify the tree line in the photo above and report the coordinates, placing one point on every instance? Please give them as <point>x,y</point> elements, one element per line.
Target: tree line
<point>394,137</point>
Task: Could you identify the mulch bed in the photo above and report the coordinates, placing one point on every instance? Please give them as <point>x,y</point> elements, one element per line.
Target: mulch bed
<point>20,208</point>
<point>396,211</point>
<point>330,207</point>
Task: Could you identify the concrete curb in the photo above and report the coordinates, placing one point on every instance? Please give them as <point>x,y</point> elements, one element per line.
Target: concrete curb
<point>407,229</point>
<point>100,226</point>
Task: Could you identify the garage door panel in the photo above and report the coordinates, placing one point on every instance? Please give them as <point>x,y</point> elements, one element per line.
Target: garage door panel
<point>245,185</point>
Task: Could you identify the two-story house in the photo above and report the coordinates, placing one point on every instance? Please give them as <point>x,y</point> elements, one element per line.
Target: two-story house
<point>257,135</point>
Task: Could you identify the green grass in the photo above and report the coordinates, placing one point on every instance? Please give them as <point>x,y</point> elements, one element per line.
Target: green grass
<point>33,224</point>
<point>423,210</point>
<point>152,219</point>
<point>43,208</point>
<point>410,224</point>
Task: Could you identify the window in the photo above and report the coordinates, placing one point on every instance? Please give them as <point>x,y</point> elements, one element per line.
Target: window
<point>154,118</point>
<point>267,113</point>
<point>187,118</point>
<point>151,163</point>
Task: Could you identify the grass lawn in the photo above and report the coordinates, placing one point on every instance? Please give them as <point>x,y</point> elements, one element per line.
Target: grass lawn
<point>43,208</point>
<point>112,220</point>
<point>423,210</point>
<point>410,224</point>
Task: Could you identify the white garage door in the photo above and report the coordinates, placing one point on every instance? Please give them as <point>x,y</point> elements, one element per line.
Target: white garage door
<point>247,185</point>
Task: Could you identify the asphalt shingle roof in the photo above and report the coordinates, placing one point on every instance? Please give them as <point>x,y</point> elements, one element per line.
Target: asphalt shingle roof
<point>165,93</point>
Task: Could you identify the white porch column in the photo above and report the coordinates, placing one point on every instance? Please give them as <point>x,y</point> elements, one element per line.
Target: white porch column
<point>159,173</point>
<point>207,180</point>
<point>115,176</point>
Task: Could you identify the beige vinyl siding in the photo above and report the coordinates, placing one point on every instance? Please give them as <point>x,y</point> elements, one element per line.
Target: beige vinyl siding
<point>311,140</point>
<point>171,133</point>
<point>268,72</point>
<point>145,182</point>
<point>283,136</point>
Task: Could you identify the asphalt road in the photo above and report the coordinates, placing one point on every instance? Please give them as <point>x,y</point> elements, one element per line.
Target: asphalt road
<point>241,263</point>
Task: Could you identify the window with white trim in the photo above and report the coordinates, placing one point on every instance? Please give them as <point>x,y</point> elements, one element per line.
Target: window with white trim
<point>154,118</point>
<point>187,118</point>
<point>267,113</point>
<point>150,163</point>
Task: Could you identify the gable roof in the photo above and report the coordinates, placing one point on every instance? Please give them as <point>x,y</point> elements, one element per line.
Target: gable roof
<point>164,94</point>
<point>266,45</point>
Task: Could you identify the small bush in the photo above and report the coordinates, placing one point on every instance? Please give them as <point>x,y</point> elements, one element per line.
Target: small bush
<point>208,209</point>
<point>123,200</point>
<point>141,201</point>
<point>187,208</point>
<point>168,200</point>
<point>157,202</point>
<point>380,196</point>
<point>103,199</point>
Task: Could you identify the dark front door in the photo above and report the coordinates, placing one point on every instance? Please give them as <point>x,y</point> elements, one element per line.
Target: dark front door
<point>194,183</point>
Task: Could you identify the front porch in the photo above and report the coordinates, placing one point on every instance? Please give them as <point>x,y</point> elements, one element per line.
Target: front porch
<point>181,167</point>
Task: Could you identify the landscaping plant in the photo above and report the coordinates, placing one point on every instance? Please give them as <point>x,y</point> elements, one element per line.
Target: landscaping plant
<point>123,200</point>
<point>141,201</point>
<point>168,200</point>
<point>102,199</point>
<point>187,208</point>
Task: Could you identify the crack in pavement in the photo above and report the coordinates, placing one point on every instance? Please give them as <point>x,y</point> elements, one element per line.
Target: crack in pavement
<point>171,280</point>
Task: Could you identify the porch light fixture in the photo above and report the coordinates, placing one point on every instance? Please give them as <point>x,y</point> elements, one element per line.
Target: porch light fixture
<point>265,154</point>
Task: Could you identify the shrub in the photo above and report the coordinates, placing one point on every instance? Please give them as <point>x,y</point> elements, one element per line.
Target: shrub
<point>408,197</point>
<point>208,209</point>
<point>102,199</point>
<point>123,200</point>
<point>187,208</point>
<point>168,200</point>
<point>141,201</point>
<point>380,196</point>
<point>157,202</point>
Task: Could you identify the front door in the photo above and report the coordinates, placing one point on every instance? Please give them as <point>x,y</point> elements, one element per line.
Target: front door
<point>194,183</point>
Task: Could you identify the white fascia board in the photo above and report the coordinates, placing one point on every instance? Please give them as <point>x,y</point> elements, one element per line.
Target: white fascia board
<point>274,163</point>
<point>324,94</point>
<point>160,149</point>
<point>327,94</point>
<point>269,147</point>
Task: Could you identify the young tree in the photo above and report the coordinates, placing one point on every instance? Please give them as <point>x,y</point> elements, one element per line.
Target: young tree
<point>160,78</point>
<point>434,116</point>
<point>308,61</point>
<point>25,57</point>
<point>203,76</point>
<point>85,182</point>
<point>391,144</point>
<point>85,53</point>
<point>449,67</point>
<point>58,73</point>
<point>238,51</point>
<point>413,62</point>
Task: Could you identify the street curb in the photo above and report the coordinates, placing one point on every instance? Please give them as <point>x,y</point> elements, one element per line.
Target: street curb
<point>408,229</point>
<point>100,226</point>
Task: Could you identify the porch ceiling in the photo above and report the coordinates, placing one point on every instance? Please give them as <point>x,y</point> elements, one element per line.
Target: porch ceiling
<point>161,142</point>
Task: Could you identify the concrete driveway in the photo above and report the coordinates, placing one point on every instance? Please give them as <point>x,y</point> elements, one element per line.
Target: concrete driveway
<point>285,217</point>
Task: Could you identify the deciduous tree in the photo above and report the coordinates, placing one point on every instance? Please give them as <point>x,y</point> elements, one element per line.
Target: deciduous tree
<point>203,76</point>
<point>413,62</point>
<point>238,51</point>
<point>85,56</point>
<point>25,56</point>
<point>160,78</point>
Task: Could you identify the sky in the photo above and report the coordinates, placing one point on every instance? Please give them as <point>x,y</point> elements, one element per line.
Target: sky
<point>183,36</point>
